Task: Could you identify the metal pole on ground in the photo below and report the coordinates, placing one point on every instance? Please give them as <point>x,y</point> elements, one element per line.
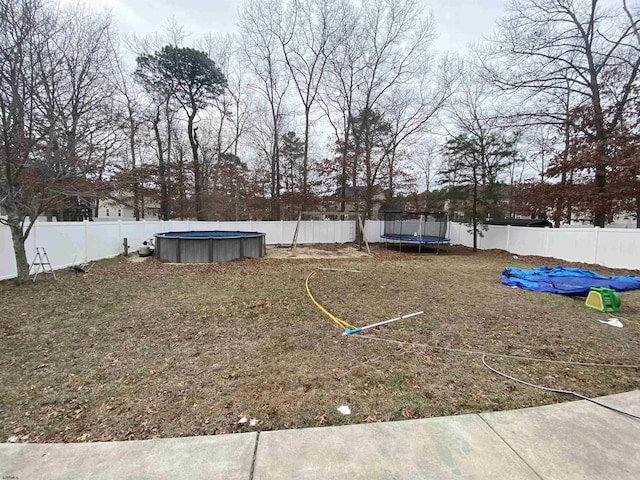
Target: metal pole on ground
<point>350,331</point>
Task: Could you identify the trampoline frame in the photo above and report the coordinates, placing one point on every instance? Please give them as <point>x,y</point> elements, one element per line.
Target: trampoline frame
<point>420,236</point>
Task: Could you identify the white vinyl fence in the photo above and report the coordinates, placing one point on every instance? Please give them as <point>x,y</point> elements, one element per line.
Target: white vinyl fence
<point>67,243</point>
<point>611,247</point>
<point>74,242</point>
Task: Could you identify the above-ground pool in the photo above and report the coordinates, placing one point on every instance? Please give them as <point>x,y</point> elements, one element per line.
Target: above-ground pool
<point>209,246</point>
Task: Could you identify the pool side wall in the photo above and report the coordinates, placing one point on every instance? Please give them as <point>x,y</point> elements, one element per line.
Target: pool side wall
<point>209,250</point>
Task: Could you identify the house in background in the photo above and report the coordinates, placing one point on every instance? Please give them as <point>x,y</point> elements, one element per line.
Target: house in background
<point>115,207</point>
<point>355,200</point>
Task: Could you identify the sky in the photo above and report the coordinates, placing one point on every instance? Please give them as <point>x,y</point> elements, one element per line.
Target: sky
<point>458,22</point>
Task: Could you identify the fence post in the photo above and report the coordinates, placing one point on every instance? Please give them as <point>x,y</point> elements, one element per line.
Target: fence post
<point>86,241</point>
<point>508,245</point>
<point>546,242</point>
<point>596,245</point>
<point>280,241</point>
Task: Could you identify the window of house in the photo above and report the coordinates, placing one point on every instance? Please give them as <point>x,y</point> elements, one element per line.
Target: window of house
<point>119,212</point>
<point>107,212</point>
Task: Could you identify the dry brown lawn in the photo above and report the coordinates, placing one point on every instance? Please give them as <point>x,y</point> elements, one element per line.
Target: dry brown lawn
<point>144,350</point>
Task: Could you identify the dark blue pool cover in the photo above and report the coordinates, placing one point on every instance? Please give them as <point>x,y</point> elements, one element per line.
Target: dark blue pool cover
<point>210,234</point>
<point>565,280</point>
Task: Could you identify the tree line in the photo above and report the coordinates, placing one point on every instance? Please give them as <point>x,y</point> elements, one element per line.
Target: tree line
<point>319,104</point>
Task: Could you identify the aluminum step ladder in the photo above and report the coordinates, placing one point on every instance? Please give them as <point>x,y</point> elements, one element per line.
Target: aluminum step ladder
<point>41,263</point>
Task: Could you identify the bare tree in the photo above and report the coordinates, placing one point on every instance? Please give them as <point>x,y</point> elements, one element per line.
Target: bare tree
<point>263,55</point>
<point>53,69</point>
<point>480,150</point>
<point>546,46</point>
<point>396,42</point>
<point>411,107</point>
<point>424,156</point>
<point>341,89</point>
<point>307,32</point>
<point>223,130</point>
<point>129,97</point>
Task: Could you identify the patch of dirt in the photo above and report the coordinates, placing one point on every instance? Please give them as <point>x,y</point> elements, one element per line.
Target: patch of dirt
<point>145,350</point>
<point>135,258</point>
<point>306,252</point>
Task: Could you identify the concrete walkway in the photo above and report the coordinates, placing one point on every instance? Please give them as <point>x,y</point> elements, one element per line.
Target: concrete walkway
<point>565,441</point>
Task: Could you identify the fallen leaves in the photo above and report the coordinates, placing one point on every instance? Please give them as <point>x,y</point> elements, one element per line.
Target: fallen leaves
<point>409,412</point>
<point>192,349</point>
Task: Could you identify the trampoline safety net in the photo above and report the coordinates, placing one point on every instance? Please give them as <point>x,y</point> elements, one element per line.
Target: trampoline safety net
<point>423,227</point>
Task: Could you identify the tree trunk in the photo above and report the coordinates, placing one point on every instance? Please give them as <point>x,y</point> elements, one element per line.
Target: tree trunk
<point>276,180</point>
<point>166,184</point>
<point>197,173</point>
<point>391,172</point>
<point>474,214</point>
<point>305,161</point>
<point>343,172</point>
<point>600,210</point>
<point>367,162</point>
<point>132,148</point>
<point>18,238</point>
<point>162,173</point>
<point>560,201</point>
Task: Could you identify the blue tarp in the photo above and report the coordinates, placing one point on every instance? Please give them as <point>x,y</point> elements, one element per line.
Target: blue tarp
<point>565,280</point>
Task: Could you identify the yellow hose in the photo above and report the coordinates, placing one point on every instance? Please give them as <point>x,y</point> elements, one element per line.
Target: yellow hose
<point>341,323</point>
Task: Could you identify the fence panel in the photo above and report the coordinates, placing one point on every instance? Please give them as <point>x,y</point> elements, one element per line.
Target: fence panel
<point>460,234</point>
<point>273,231</point>
<point>526,241</point>
<point>7,258</point>
<point>103,240</point>
<point>133,232</point>
<point>65,242</point>
<point>573,245</point>
<point>494,237</point>
<point>618,248</point>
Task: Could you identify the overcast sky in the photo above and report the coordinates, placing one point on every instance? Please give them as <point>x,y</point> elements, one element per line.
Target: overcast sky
<point>458,22</point>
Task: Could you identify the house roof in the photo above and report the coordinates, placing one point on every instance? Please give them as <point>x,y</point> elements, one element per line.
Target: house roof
<point>522,222</point>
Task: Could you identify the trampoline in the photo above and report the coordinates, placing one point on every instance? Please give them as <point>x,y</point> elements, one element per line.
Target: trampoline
<point>417,229</point>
